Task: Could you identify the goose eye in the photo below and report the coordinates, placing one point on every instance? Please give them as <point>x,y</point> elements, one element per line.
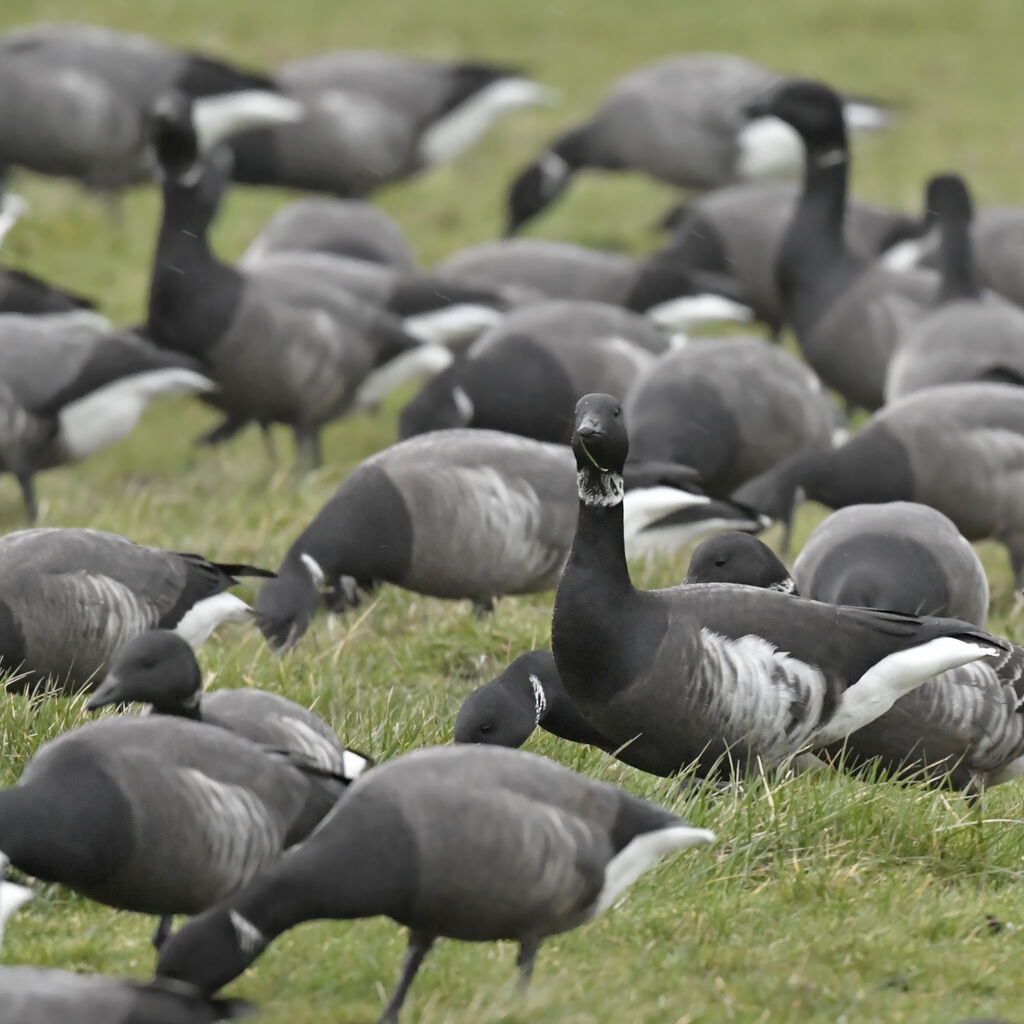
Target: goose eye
<point>618,411</point>
<point>719,562</point>
<point>486,728</point>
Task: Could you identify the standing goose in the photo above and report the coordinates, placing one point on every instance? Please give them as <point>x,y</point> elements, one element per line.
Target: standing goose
<point>470,843</point>
<point>847,317</point>
<point>969,335</point>
<point>169,816</point>
<point>737,232</point>
<point>455,514</point>
<point>717,675</point>
<point>680,121</point>
<point>90,88</point>
<point>958,448</point>
<point>897,555</point>
<point>341,227</point>
<point>80,389</point>
<point>159,668</point>
<point>71,598</point>
<point>374,118</point>
<point>273,360</point>
<point>673,296</point>
<point>526,374</point>
<point>45,995</point>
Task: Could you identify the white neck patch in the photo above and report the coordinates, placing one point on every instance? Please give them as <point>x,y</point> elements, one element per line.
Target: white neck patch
<point>553,168</point>
<point>250,939</point>
<point>540,700</point>
<point>313,568</point>
<point>463,403</point>
<point>831,158</point>
<point>786,586</point>
<point>601,490</point>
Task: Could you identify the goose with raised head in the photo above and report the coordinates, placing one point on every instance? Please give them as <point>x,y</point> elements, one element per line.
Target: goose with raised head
<point>957,447</point>
<point>169,816</point>
<point>680,121</point>
<point>159,668</point>
<point>47,995</point>
<point>526,374</point>
<point>374,118</point>
<point>847,316</point>
<point>970,335</point>
<point>673,297</point>
<point>340,227</point>
<point>737,232</point>
<point>472,514</point>
<point>897,555</point>
<point>71,598</point>
<point>90,89</point>
<point>717,675</point>
<point>274,360</point>
<point>470,843</point>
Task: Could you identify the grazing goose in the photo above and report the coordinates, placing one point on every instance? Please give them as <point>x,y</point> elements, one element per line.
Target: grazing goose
<point>470,843</point>
<point>71,598</point>
<point>717,675</point>
<point>847,317</point>
<point>159,668</point>
<point>672,296</point>
<point>957,447</point>
<point>89,90</point>
<point>680,121</point>
<point>340,227</point>
<point>456,514</point>
<point>526,374</point>
<point>969,335</point>
<point>373,118</point>
<point>169,816</point>
<point>737,232</point>
<point>274,360</point>
<point>79,389</point>
<point>897,555</point>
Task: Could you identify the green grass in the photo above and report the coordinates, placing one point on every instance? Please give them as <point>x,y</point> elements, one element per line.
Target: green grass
<point>826,899</point>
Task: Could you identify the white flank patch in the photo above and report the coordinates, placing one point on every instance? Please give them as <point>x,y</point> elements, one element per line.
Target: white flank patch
<point>453,324</point>
<point>219,117</point>
<point>645,505</point>
<point>885,682</point>
<point>540,700</point>
<point>313,567</point>
<point>205,616</point>
<point>905,255</point>
<point>423,361</point>
<point>460,128</point>
<point>353,765</point>
<point>865,117</point>
<point>641,854</point>
<point>112,412</point>
<point>768,148</point>
<point>689,310</point>
<point>664,540</point>
<point>463,404</point>
<point>250,939</point>
<point>12,209</point>
<point>11,896</point>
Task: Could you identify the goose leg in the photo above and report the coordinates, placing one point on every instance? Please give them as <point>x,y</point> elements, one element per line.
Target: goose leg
<point>526,961</point>
<point>483,608</point>
<point>28,492</point>
<point>163,931</point>
<point>308,448</point>
<point>419,947</point>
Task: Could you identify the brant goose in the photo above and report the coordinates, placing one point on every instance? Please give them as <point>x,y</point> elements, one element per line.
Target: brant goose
<point>71,598</point>
<point>897,555</point>
<point>680,121</point>
<point>169,816</point>
<point>717,675</point>
<point>969,335</point>
<point>846,317</point>
<point>159,668</point>
<point>470,843</point>
<point>374,118</point>
<point>525,375</point>
<point>454,513</point>
<point>957,447</point>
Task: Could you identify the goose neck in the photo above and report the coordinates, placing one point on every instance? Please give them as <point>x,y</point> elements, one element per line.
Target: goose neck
<point>959,276</point>
<point>599,547</point>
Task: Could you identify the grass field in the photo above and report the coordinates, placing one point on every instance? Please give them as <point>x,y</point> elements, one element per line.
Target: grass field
<point>825,899</point>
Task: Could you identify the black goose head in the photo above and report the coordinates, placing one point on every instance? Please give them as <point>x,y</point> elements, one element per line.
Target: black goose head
<point>734,557</point>
<point>535,189</point>
<point>948,198</point>
<point>813,109</point>
<point>157,667</point>
<point>442,403</point>
<point>599,438</point>
<point>286,605</point>
<point>506,711</point>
